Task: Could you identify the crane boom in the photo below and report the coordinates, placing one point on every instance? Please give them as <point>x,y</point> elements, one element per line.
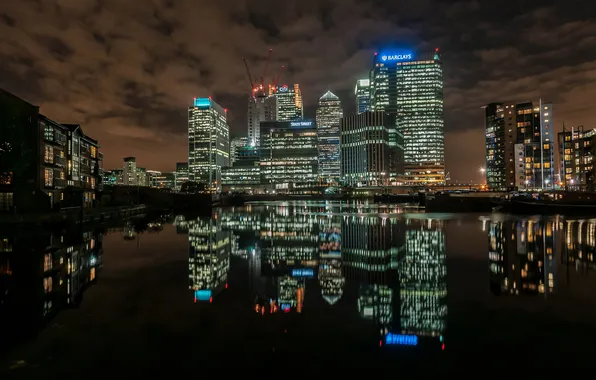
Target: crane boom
<point>266,68</point>
<point>252,84</point>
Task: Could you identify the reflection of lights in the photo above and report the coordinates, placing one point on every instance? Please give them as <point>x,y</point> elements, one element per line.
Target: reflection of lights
<point>401,340</point>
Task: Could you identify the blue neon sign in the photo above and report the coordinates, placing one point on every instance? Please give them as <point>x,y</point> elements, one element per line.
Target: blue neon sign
<point>203,294</point>
<point>203,102</point>
<point>306,272</point>
<point>283,88</point>
<point>301,124</point>
<point>402,56</point>
<point>401,340</point>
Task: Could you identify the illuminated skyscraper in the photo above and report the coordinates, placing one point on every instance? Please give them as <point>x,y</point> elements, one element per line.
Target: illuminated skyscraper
<point>235,144</point>
<point>289,103</point>
<point>329,114</point>
<point>411,88</point>
<point>362,93</point>
<point>289,155</point>
<point>208,143</point>
<point>520,145</point>
<point>366,154</point>
<point>261,108</point>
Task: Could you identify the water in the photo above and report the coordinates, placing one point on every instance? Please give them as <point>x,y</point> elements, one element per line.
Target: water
<point>299,286</point>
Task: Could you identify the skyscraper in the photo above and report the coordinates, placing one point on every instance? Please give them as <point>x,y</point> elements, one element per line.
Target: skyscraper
<point>289,156</point>
<point>365,149</point>
<point>362,92</point>
<point>289,103</point>
<point>411,88</point>
<point>235,144</point>
<point>261,107</point>
<point>520,145</point>
<point>329,114</point>
<point>208,143</point>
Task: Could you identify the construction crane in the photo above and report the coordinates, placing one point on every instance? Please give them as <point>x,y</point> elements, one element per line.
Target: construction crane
<point>254,85</point>
<point>276,78</point>
<point>266,68</point>
<point>250,80</point>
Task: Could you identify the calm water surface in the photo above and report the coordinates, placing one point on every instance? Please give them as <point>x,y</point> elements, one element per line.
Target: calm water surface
<point>299,286</point>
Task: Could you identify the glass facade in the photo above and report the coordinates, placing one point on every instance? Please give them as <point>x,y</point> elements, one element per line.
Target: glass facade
<point>411,88</point>
<point>329,114</point>
<point>260,108</point>
<point>365,149</point>
<point>289,103</point>
<point>208,143</point>
<point>289,154</point>
<point>235,144</point>
<point>362,93</point>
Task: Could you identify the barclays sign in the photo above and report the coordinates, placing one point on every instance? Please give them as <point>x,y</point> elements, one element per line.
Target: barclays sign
<point>397,57</point>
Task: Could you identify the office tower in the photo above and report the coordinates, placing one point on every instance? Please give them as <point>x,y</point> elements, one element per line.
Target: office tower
<point>245,174</point>
<point>208,143</point>
<point>362,93</point>
<point>289,103</point>
<point>365,149</point>
<point>410,87</point>
<point>129,173</point>
<point>519,145</point>
<point>181,174</point>
<point>289,154</point>
<point>261,107</point>
<point>576,150</point>
<point>235,144</point>
<point>328,116</point>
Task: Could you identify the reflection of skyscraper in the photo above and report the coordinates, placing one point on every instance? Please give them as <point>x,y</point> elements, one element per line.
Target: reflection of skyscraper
<point>288,241</point>
<point>330,276</point>
<point>290,294</point>
<point>376,302</point>
<point>209,258</point>
<point>521,257</point>
<point>371,246</point>
<point>422,273</point>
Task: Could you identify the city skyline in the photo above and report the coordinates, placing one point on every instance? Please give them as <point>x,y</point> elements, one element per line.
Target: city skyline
<point>138,105</point>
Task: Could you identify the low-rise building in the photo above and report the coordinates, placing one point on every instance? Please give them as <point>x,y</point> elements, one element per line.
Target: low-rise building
<point>44,164</point>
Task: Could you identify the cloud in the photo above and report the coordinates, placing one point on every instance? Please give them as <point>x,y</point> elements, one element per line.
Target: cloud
<point>127,70</point>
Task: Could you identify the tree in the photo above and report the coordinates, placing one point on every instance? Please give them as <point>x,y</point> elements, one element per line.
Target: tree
<point>192,187</point>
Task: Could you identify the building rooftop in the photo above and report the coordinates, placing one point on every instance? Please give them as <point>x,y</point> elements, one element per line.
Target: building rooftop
<point>329,96</point>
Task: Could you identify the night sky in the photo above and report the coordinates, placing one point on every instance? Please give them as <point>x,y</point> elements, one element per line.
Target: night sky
<point>127,69</point>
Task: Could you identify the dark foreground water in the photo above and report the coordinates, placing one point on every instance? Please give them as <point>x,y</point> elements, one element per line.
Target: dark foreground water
<point>302,289</point>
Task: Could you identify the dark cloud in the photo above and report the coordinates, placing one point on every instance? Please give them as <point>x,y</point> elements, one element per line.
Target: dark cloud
<point>128,69</point>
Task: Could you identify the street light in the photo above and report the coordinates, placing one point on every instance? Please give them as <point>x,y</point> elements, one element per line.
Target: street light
<point>482,171</point>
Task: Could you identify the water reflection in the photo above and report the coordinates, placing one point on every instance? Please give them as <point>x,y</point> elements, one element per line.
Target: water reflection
<point>397,266</point>
<point>524,255</point>
<point>42,274</point>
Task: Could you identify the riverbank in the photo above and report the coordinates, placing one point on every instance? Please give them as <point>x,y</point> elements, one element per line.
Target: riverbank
<point>72,216</point>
